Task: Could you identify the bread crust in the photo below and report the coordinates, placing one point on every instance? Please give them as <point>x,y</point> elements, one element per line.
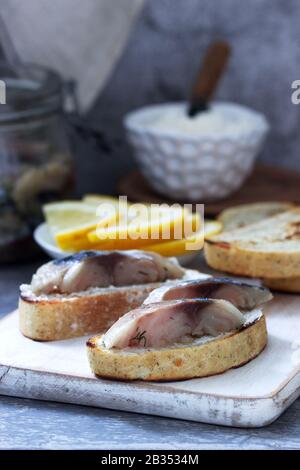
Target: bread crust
<point>186,362</point>
<point>290,284</point>
<point>227,257</point>
<point>55,318</point>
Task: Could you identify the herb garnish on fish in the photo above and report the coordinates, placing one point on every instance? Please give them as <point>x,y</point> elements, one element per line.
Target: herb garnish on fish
<point>140,336</point>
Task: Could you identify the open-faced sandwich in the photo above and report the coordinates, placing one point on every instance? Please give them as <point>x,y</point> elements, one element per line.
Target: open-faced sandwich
<point>191,329</point>
<point>86,292</point>
<point>257,243</point>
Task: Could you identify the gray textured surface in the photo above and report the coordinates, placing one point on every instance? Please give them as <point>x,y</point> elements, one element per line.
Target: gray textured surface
<point>160,60</point>
<point>31,424</point>
<point>163,55</point>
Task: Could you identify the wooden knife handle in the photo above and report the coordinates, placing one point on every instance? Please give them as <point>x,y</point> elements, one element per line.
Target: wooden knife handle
<point>208,77</point>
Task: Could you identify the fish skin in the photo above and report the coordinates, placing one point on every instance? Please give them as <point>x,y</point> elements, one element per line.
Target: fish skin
<point>87,269</point>
<point>80,256</point>
<point>244,296</point>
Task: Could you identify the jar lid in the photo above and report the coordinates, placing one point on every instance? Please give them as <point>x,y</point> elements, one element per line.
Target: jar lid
<point>31,92</point>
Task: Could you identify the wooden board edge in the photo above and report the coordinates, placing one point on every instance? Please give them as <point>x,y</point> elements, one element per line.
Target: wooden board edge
<point>199,408</point>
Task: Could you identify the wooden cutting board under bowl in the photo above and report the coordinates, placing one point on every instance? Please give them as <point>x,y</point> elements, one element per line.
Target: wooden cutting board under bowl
<point>250,396</point>
<point>266,183</point>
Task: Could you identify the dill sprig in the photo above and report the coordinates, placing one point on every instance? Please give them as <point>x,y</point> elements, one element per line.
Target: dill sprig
<point>140,336</point>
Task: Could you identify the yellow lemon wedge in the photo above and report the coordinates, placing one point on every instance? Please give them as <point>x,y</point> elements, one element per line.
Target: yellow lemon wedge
<point>212,227</point>
<point>179,247</point>
<point>185,245</point>
<point>145,226</point>
<point>70,221</point>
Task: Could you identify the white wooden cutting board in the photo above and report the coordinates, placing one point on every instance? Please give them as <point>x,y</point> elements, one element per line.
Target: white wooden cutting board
<point>252,395</point>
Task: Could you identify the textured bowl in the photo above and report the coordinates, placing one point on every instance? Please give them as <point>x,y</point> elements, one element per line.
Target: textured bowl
<point>206,166</point>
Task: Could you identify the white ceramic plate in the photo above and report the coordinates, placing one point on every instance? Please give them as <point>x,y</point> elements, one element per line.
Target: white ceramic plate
<point>45,240</point>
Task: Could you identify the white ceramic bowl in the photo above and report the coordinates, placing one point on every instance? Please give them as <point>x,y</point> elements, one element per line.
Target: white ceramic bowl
<point>208,166</point>
<point>45,240</point>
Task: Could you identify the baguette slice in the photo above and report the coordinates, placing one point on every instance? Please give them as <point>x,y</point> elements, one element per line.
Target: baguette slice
<point>246,214</point>
<point>266,249</point>
<point>58,316</point>
<point>203,357</point>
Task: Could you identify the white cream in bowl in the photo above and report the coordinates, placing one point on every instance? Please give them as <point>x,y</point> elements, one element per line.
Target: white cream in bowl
<point>220,118</point>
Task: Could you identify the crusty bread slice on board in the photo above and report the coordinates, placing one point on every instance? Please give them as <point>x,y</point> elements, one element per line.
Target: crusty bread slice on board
<point>202,357</point>
<point>59,316</point>
<point>267,249</point>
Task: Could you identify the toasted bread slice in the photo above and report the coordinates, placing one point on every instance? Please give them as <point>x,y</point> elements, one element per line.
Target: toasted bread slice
<point>246,214</point>
<point>59,316</point>
<point>267,249</point>
<point>201,358</point>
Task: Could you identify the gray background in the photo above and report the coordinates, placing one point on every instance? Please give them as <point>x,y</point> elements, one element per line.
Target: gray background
<point>163,55</point>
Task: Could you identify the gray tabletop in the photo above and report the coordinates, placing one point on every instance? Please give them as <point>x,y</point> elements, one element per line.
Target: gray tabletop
<point>30,424</point>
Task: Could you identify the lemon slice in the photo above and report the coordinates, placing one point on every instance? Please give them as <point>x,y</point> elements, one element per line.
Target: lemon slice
<point>184,245</point>
<point>71,220</point>
<point>150,225</point>
<point>212,227</point>
<point>118,204</point>
<point>179,247</point>
<point>164,247</point>
<point>100,199</point>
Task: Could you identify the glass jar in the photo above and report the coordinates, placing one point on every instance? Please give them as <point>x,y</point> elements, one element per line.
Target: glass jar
<point>35,158</point>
